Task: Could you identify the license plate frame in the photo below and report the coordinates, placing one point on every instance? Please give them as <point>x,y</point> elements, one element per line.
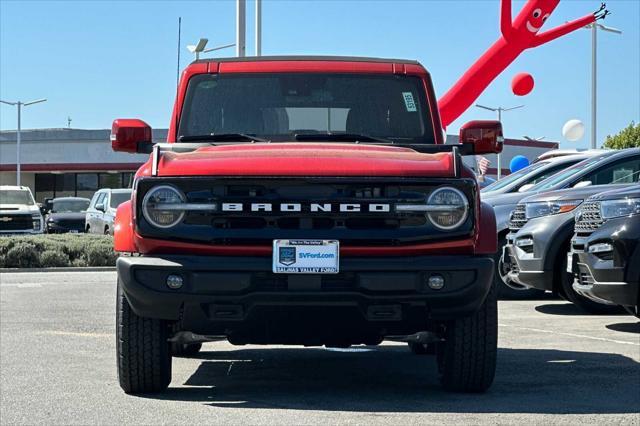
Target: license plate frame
<point>300,256</point>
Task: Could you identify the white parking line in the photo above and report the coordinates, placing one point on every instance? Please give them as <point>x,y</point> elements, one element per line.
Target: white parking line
<point>581,336</point>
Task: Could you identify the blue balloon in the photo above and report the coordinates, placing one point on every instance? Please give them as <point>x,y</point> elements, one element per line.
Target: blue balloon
<point>517,163</point>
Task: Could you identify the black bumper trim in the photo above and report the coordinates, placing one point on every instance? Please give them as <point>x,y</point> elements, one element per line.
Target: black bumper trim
<point>212,282</point>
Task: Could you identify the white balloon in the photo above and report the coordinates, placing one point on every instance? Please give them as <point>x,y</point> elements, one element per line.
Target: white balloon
<point>573,130</point>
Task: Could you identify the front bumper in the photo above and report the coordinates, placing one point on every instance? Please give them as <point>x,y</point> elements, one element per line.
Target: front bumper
<point>531,254</point>
<point>57,228</point>
<point>223,295</point>
<point>609,277</point>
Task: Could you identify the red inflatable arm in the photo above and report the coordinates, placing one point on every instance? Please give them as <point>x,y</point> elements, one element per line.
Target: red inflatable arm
<point>567,28</point>
<point>518,35</point>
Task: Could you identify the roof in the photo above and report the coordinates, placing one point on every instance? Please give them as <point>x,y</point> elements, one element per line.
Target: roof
<point>70,198</point>
<point>308,58</point>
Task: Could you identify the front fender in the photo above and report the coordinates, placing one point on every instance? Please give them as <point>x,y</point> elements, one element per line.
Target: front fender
<point>486,236</point>
<point>123,229</point>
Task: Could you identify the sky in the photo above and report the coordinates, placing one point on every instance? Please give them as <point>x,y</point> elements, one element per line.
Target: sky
<point>99,60</point>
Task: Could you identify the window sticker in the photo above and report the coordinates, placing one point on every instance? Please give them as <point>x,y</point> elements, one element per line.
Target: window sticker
<point>409,102</point>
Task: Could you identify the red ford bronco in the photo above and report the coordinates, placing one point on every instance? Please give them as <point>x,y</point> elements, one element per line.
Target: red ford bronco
<point>305,201</point>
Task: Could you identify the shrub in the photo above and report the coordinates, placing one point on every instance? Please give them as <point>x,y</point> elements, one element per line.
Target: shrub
<point>22,255</point>
<point>56,250</point>
<point>51,259</point>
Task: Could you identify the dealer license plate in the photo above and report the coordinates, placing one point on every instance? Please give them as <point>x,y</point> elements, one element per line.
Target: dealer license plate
<point>306,256</point>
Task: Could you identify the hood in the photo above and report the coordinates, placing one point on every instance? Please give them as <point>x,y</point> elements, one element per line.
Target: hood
<point>19,208</point>
<point>573,193</point>
<point>305,159</point>
<point>511,198</point>
<point>67,216</point>
<point>631,191</point>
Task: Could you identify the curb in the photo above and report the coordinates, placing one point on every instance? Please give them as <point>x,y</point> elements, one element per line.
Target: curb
<point>62,269</point>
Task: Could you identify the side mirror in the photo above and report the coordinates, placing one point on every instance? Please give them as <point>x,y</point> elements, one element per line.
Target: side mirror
<point>482,137</point>
<point>525,188</point>
<point>582,184</point>
<point>100,207</point>
<point>131,135</point>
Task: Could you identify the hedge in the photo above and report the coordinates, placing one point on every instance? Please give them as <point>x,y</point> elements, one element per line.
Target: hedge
<point>56,250</point>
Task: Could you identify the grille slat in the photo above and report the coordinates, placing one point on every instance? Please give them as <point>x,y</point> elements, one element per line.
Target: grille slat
<point>588,218</point>
<point>518,218</point>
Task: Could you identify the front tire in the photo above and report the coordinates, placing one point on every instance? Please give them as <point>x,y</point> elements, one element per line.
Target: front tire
<point>144,359</point>
<point>467,357</point>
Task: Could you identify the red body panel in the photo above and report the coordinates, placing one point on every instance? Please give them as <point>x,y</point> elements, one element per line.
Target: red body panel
<point>305,159</point>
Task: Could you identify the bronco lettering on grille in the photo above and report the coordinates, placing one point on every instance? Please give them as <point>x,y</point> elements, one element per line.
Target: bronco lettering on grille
<point>312,207</point>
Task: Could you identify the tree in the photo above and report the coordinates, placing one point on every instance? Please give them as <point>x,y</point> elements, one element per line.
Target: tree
<point>628,137</point>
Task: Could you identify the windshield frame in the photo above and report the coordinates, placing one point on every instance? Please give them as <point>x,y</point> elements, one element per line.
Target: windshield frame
<point>425,103</point>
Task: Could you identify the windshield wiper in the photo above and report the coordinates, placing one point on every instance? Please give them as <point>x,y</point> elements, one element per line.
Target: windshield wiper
<point>222,137</point>
<point>339,137</point>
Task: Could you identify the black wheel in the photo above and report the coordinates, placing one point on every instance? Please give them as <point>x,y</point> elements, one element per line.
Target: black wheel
<point>467,357</point>
<point>500,279</point>
<point>422,348</point>
<point>589,306</point>
<point>185,349</point>
<point>144,360</point>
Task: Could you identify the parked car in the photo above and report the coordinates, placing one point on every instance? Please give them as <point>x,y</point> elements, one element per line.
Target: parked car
<point>102,210</point>
<point>601,169</point>
<point>605,249</point>
<point>524,179</point>
<point>67,214</point>
<point>535,255</point>
<point>19,213</point>
<point>507,192</point>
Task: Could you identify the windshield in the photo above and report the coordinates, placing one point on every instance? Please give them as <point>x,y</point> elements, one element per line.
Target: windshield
<point>512,177</point>
<point>280,106</point>
<point>70,206</point>
<point>554,180</point>
<point>118,198</point>
<point>16,196</point>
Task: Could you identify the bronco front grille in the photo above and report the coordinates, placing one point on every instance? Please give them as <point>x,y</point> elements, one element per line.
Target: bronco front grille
<point>588,218</point>
<point>262,218</point>
<point>518,218</point>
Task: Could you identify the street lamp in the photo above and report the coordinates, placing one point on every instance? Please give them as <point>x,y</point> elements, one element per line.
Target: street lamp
<point>18,139</point>
<point>200,47</point>
<point>499,110</point>
<point>594,47</point>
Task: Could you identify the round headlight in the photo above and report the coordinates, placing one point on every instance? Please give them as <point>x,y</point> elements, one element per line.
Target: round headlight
<point>161,206</point>
<point>449,208</point>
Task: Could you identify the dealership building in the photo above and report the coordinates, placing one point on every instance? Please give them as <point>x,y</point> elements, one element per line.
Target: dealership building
<point>76,162</point>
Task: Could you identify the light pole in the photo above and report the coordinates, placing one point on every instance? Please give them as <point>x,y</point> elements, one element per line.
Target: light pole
<point>499,110</point>
<point>594,70</point>
<point>18,136</point>
<point>258,27</point>
<point>200,47</point>
<point>241,27</point>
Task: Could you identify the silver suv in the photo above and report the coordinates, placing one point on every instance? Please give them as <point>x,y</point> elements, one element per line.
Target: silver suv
<point>102,210</point>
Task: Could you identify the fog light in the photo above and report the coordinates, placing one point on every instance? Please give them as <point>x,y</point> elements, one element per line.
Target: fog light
<point>174,282</point>
<point>600,248</point>
<point>436,282</point>
<point>524,242</point>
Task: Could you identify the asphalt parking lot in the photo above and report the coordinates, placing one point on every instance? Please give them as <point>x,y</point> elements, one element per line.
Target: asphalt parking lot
<point>57,363</point>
